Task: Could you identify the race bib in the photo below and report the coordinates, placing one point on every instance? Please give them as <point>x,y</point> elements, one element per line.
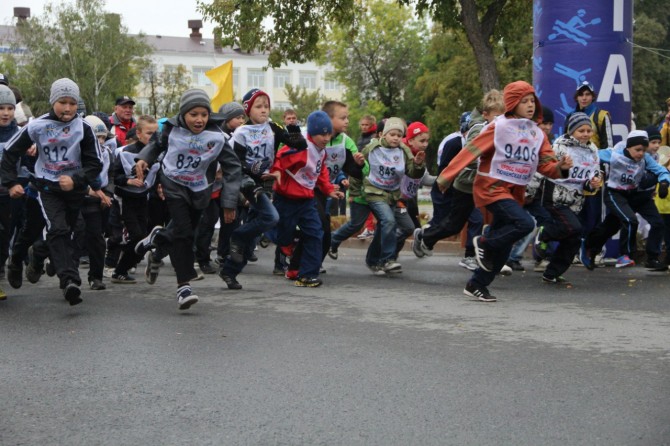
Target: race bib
<point>585,166</point>
<point>625,174</point>
<point>58,149</point>
<point>387,167</point>
<point>517,150</point>
<point>307,175</point>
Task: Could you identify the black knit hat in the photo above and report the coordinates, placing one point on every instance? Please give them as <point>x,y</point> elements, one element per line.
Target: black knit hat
<point>653,132</point>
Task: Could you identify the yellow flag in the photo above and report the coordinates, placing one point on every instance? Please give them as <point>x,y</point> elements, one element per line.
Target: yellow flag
<point>222,77</point>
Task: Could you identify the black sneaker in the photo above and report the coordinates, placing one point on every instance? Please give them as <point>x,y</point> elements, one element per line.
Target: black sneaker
<point>15,274</point>
<point>253,258</point>
<point>72,293</point>
<point>483,259</point>
<point>185,297</point>
<point>236,252</point>
<point>655,265</point>
<point>147,243</point>
<point>97,284</point>
<point>34,270</point>
<point>231,282</point>
<point>207,268</point>
<point>481,293</point>
<point>560,280</point>
<point>152,269</point>
<point>264,242</point>
<point>332,252</point>
<point>515,265</point>
<point>50,269</point>
<point>123,278</point>
<point>310,282</point>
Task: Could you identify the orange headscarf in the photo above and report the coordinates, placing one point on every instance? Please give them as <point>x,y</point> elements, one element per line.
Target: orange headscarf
<point>514,92</point>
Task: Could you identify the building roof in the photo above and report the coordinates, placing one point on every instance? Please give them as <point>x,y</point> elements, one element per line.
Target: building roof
<point>194,45</point>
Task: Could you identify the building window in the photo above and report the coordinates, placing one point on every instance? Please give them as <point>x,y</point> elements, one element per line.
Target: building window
<point>236,78</point>
<point>281,105</point>
<point>307,80</point>
<point>199,77</point>
<point>281,78</point>
<point>256,78</point>
<point>330,83</point>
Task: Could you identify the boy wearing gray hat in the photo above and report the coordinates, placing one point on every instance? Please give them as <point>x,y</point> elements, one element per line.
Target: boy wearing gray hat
<point>67,165</point>
<point>8,128</point>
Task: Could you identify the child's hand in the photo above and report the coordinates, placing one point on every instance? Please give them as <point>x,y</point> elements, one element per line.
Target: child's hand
<point>336,194</point>
<point>65,182</point>
<point>159,191</point>
<point>272,176</point>
<point>420,158</point>
<point>443,189</point>
<point>228,215</point>
<point>105,202</point>
<point>344,183</point>
<point>32,151</point>
<point>359,158</point>
<point>565,163</point>
<point>16,191</point>
<point>663,189</point>
<point>596,183</point>
<point>135,182</point>
<point>140,167</point>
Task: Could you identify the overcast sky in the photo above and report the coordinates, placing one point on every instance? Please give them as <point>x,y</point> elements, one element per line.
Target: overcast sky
<point>167,18</point>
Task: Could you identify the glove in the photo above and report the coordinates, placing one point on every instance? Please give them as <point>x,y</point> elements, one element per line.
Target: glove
<point>663,189</point>
<point>294,138</point>
<point>260,166</point>
<point>251,190</point>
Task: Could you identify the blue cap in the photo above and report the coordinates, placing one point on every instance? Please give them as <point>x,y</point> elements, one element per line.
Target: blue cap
<point>318,123</point>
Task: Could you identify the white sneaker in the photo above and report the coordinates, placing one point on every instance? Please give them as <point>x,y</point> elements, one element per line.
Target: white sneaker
<point>392,267</point>
<point>185,297</point>
<point>541,266</point>
<point>366,234</point>
<point>505,271</point>
<point>108,272</point>
<point>377,270</point>
<point>469,263</point>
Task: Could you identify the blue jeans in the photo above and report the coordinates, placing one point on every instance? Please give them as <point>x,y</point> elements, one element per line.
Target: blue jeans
<point>510,223</point>
<point>404,228</point>
<point>383,245</point>
<point>301,213</point>
<point>359,213</point>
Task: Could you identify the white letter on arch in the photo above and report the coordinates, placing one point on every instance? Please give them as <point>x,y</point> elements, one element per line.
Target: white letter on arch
<point>616,64</point>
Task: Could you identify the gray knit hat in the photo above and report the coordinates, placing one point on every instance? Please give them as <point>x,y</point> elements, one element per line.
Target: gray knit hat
<point>7,96</point>
<point>576,120</point>
<point>394,124</point>
<point>231,110</point>
<point>192,98</point>
<point>63,88</point>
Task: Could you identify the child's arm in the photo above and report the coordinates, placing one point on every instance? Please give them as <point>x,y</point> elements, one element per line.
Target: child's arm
<point>483,143</point>
<point>15,148</point>
<point>90,162</point>
<point>232,178</point>
<point>655,168</point>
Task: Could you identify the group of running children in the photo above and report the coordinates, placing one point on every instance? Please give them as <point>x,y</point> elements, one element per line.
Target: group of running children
<point>264,181</point>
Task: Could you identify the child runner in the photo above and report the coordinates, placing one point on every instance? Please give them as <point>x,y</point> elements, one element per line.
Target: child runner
<point>8,128</point>
<point>67,164</point>
<point>193,146</point>
<point>510,150</point>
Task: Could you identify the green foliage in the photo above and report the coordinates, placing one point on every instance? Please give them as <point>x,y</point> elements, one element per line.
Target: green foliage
<point>163,89</point>
<point>378,58</point>
<point>304,102</point>
<point>82,42</point>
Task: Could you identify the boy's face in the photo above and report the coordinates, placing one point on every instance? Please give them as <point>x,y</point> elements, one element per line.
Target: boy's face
<point>583,133</point>
<point>260,111</point>
<point>584,98</point>
<point>290,119</point>
<point>654,145</point>
<point>65,109</point>
<point>146,132</point>
<point>546,127</point>
<point>340,119</point>
<point>196,119</point>
<point>236,122</point>
<point>393,138</point>
<point>419,142</point>
<point>491,115</point>
<point>636,152</point>
<point>526,107</point>
<point>6,114</point>
<point>321,141</point>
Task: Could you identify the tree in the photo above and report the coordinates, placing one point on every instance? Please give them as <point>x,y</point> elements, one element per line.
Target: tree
<point>302,101</point>
<point>379,59</point>
<point>164,88</point>
<point>84,43</point>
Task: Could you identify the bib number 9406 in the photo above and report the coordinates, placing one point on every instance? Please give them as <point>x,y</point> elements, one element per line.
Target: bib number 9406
<point>520,153</point>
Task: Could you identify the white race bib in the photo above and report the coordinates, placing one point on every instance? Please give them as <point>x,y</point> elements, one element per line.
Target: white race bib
<point>585,166</point>
<point>387,167</point>
<point>307,175</point>
<point>259,141</point>
<point>517,150</point>
<point>58,149</point>
<point>625,174</point>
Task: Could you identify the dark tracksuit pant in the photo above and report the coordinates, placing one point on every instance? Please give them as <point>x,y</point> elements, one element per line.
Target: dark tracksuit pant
<point>93,216</point>
<point>460,213</point>
<point>205,231</point>
<point>114,236</point>
<point>563,227</point>
<point>320,202</point>
<point>30,233</point>
<point>134,215</point>
<point>5,228</point>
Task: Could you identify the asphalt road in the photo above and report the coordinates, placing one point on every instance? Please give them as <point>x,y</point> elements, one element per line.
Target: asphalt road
<point>362,360</point>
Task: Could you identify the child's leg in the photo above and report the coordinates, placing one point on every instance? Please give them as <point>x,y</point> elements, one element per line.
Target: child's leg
<point>386,224</point>
<point>359,214</point>
<point>95,242</point>
<point>134,214</point>
<point>475,225</point>
<point>644,205</point>
<point>462,207</point>
<point>311,230</point>
<point>569,229</point>
<point>178,238</point>
<point>404,228</point>
<point>618,204</point>
<point>205,231</point>
<point>5,227</point>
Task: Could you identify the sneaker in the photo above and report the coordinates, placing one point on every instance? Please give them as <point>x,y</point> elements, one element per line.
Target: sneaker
<point>147,243</point>
<point>332,252</point>
<point>539,247</point>
<point>133,270</point>
<point>655,265</point>
<point>480,255</point>
<point>231,282</point>
<point>540,266</point>
<point>253,258</point>
<point>365,234</point>
<point>152,269</point>
<point>96,285</point>
<point>107,272</point>
<point>264,242</point>
<point>3,295</point>
<point>198,276</point>
<point>123,278</point>
<point>236,252</point>
<point>505,271</point>
<point>560,280</point>
<point>34,270</point>
<point>469,263</point>
<point>50,269</point>
<point>392,267</point>
<point>515,265</point>
<point>416,243</point>
<point>377,270</point>
<point>185,297</point>
<point>481,293</point>
<point>585,257</point>
<point>291,274</point>
<point>15,274</point>
<point>624,261</point>
<point>207,268</point>
<point>310,282</point>
<point>278,271</point>
<point>322,270</point>
<point>72,293</point>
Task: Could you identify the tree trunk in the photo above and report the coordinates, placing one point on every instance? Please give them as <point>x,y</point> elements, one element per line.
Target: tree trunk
<point>479,35</point>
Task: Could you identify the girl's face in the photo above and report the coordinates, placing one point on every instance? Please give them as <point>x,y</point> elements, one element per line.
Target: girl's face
<point>526,107</point>
<point>236,122</point>
<point>65,109</point>
<point>260,111</point>
<point>419,142</point>
<point>340,120</point>
<point>583,133</point>
<point>393,138</point>
<point>6,114</point>
<point>196,119</point>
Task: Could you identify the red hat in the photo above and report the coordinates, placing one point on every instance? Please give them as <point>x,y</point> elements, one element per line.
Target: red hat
<point>514,92</point>
<point>249,98</point>
<point>415,129</point>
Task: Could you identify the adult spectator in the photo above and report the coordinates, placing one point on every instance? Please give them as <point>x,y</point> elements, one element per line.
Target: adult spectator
<point>601,120</point>
<point>122,119</point>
